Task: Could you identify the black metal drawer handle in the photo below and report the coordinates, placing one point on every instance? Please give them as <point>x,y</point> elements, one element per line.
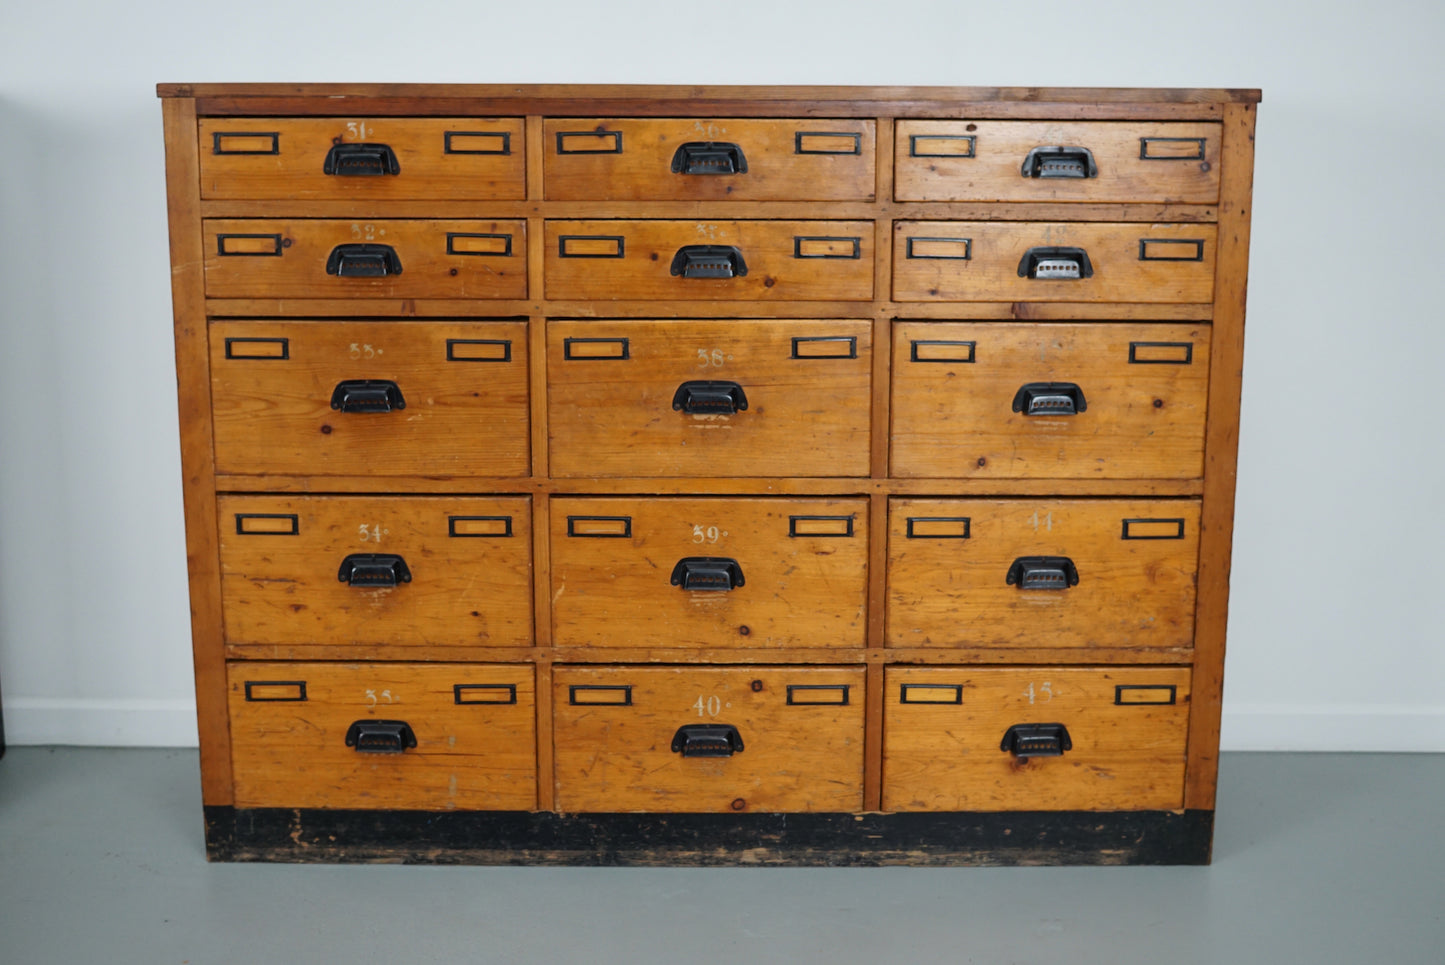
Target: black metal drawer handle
<point>374,569</point>
<point>1042,573</point>
<point>1060,162</point>
<point>709,157</point>
<point>367,395</point>
<point>363,261</point>
<point>1049,398</point>
<point>710,398</point>
<point>709,261</point>
<point>1055,263</point>
<point>380,736</point>
<point>1036,740</point>
<point>707,740</point>
<point>708,573</point>
<point>360,161</point>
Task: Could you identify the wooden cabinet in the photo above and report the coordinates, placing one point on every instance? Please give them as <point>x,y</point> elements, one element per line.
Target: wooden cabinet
<point>755,475</point>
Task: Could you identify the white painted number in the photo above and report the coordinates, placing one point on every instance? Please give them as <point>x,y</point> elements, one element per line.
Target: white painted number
<point>707,534</point>
<point>712,358</point>
<point>358,131</point>
<point>1045,691</point>
<point>373,698</point>
<point>366,231</point>
<point>710,706</point>
<point>707,231</point>
<point>360,350</point>
<point>1047,521</point>
<point>709,130</point>
<point>372,533</point>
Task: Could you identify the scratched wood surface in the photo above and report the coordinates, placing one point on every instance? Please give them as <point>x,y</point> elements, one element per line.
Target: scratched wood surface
<point>979,261</point>
<point>943,728</point>
<point>472,723</point>
<point>947,583</point>
<point>1144,391</point>
<point>900,438</point>
<point>632,159</point>
<point>464,385</point>
<point>288,257</point>
<point>614,385</point>
<point>803,566</point>
<point>983,161</point>
<point>802,745</point>
<point>440,159</point>
<point>469,560</point>
<point>799,260</point>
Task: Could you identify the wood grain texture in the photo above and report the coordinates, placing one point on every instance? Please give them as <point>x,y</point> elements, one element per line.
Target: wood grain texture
<point>673,210</point>
<point>945,756</point>
<point>786,160</point>
<point>946,589</point>
<point>428,271</point>
<point>562,94</point>
<point>464,385</point>
<point>193,396</point>
<point>472,590</point>
<point>990,270</point>
<point>796,756</point>
<point>982,161</point>
<point>475,748</point>
<point>955,387</point>
<point>774,271</point>
<point>717,486</point>
<point>806,385</point>
<point>439,159</point>
<point>1221,456</point>
<point>797,591</point>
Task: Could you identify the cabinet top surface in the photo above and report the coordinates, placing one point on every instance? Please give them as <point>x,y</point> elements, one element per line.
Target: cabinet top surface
<point>708,93</point>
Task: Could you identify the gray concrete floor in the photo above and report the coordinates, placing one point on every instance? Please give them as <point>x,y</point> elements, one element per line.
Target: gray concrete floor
<point>1319,859</point>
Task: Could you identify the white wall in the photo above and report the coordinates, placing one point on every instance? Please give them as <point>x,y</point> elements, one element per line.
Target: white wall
<point>1337,617</point>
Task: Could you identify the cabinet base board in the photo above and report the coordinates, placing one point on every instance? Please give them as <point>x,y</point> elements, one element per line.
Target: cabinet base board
<point>709,840</point>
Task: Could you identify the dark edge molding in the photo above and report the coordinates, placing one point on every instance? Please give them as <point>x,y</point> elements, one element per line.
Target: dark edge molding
<point>698,840</point>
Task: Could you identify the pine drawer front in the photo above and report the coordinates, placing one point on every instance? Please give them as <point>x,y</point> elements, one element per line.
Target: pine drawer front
<point>1056,161</point>
<point>1034,738</point>
<point>351,159</point>
<point>709,260</point>
<point>997,400</point>
<point>434,737</point>
<point>729,739</point>
<point>368,570</point>
<point>709,572</point>
<point>697,159</point>
<point>733,397</point>
<point>1042,572</point>
<point>1024,261</point>
<point>317,258</point>
<point>337,398</point>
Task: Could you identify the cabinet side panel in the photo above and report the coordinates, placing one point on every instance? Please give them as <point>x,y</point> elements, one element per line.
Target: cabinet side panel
<point>193,395</point>
<point>1221,451</point>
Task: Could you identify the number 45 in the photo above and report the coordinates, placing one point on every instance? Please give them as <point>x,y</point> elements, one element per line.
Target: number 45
<point>1045,691</point>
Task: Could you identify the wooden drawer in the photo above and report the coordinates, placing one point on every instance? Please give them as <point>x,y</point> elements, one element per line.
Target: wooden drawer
<point>998,400</point>
<point>318,258</point>
<point>966,572</point>
<point>346,159</point>
<point>338,398</point>
<point>433,737</point>
<point>733,397</point>
<point>696,159</point>
<point>295,570</point>
<point>981,261</point>
<point>783,260</point>
<point>945,729</point>
<point>710,572</point>
<point>1021,161</point>
<point>746,738</point>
